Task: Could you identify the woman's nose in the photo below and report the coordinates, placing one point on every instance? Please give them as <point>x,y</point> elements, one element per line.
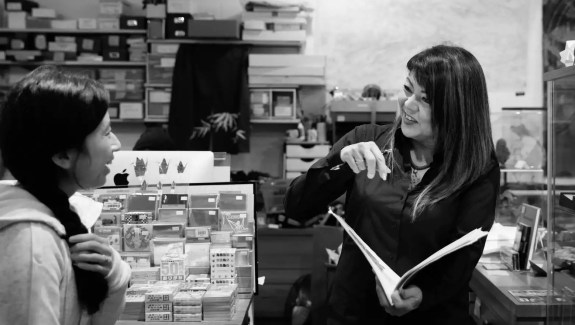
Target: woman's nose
<point>410,103</point>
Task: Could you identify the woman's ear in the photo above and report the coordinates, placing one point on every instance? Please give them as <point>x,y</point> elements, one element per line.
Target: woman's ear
<point>65,159</point>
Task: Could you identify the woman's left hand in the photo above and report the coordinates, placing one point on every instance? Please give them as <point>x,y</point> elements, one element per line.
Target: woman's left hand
<point>404,301</point>
<point>91,252</point>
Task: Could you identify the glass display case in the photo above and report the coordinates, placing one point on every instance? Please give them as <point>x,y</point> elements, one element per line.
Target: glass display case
<point>518,133</point>
<point>560,207</point>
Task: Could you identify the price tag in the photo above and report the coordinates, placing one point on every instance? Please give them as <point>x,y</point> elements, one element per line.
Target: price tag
<point>172,269</point>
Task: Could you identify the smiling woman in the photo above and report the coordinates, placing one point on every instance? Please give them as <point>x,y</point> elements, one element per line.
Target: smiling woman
<point>55,138</point>
<point>411,188</point>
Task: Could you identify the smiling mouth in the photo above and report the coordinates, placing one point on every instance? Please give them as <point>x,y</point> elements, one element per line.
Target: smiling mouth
<point>409,118</point>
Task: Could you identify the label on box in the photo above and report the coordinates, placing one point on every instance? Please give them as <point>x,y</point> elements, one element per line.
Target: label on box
<point>172,268</point>
<point>159,317</point>
<point>152,307</point>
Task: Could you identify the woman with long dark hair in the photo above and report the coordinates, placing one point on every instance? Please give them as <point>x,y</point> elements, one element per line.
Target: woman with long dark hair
<point>55,139</point>
<point>411,187</point>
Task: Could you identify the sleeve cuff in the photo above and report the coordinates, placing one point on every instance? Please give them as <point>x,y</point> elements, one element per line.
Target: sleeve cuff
<point>119,274</point>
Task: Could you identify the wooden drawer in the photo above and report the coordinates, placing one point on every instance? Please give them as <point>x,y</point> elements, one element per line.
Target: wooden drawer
<point>307,151</point>
<point>299,164</point>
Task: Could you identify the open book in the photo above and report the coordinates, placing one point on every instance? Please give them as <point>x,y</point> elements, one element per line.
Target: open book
<point>389,280</point>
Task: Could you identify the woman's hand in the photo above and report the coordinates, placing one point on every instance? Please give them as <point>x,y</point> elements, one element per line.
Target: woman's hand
<point>404,301</point>
<point>365,155</point>
<point>91,252</point>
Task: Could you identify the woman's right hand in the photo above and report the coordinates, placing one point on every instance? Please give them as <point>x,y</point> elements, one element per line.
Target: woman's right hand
<point>365,155</point>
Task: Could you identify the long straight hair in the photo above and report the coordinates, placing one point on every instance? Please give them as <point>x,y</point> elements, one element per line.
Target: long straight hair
<point>47,112</point>
<point>455,86</point>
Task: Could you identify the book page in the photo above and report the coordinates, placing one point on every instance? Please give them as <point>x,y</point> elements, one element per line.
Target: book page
<point>470,238</point>
<point>389,280</point>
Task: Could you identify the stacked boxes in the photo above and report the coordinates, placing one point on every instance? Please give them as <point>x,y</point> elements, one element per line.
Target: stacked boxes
<point>188,306</point>
<point>159,302</point>
<point>174,239</point>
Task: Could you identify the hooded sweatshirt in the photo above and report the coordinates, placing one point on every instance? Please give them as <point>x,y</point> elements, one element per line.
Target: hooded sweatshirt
<point>37,282</point>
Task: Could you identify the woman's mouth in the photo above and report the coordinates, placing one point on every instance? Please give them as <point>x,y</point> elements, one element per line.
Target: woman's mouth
<point>408,118</point>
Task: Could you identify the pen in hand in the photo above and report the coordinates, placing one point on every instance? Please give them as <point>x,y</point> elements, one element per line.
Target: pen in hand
<point>382,174</point>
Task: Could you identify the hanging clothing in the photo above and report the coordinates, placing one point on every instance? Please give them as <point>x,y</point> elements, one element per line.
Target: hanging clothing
<point>209,108</point>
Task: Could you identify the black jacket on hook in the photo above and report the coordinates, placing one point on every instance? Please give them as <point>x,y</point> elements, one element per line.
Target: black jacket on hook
<point>209,79</point>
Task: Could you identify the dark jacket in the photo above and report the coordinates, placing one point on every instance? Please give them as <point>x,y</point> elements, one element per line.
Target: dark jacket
<point>209,79</point>
<point>380,212</point>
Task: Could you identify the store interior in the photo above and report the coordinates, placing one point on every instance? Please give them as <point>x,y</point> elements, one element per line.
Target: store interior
<point>271,89</point>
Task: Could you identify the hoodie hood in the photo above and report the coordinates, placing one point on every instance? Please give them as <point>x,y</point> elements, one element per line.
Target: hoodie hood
<point>18,205</point>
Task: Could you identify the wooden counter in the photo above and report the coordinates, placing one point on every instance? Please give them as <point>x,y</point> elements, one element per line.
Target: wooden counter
<point>241,314</point>
<point>283,256</point>
<point>497,305</point>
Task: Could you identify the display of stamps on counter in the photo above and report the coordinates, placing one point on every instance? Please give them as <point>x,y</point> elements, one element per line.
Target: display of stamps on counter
<point>156,307</point>
<point>159,317</point>
<point>110,218</point>
<point>179,215</point>
<point>138,217</point>
<point>112,233</point>
<point>142,202</point>
<point>172,268</point>
<point>204,217</point>
<point>198,234</point>
<point>244,240</point>
<point>234,221</point>
<point>113,202</point>
<point>203,201</point>
<point>137,237</point>
<point>166,246</point>
<point>137,260</point>
<point>175,201</point>
<point>232,202</point>
<point>168,230</point>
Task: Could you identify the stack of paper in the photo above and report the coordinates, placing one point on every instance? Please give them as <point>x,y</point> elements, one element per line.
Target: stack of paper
<point>286,69</point>
<point>219,302</point>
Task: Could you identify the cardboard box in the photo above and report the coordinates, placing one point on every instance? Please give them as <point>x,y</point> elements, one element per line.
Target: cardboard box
<point>131,110</point>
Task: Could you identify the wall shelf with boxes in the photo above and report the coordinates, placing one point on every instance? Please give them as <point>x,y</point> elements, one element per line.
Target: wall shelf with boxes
<point>226,42</point>
<point>110,47</point>
<point>347,114</point>
<point>72,31</point>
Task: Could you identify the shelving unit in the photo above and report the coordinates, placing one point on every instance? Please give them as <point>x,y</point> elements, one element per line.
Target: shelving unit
<point>73,31</point>
<point>76,63</point>
<point>97,36</point>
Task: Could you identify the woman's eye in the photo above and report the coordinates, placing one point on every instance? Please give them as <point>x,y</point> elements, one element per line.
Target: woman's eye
<point>406,90</point>
<point>425,100</point>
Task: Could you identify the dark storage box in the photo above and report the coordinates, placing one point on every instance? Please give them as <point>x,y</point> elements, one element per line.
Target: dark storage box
<point>132,22</point>
<point>177,25</point>
<point>214,29</point>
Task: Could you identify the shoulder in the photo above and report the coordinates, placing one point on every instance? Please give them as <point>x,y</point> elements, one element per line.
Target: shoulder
<point>32,246</point>
<point>488,181</point>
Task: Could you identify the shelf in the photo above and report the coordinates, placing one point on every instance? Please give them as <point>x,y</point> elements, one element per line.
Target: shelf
<point>225,42</point>
<point>73,31</point>
<point>506,170</point>
<point>135,121</point>
<point>274,121</point>
<point>75,63</point>
<point>284,85</point>
<point>166,85</point>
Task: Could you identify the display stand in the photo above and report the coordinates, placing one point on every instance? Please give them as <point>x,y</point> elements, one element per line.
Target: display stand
<point>242,316</point>
<point>218,247</point>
